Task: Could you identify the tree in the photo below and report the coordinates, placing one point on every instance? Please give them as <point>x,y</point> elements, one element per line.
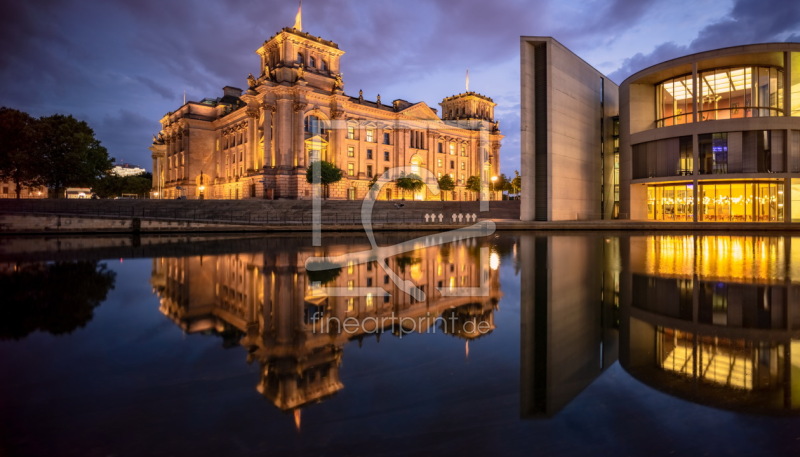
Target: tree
<point>329,174</point>
<point>111,186</point>
<point>70,154</point>
<point>516,183</point>
<point>474,183</point>
<point>446,184</point>
<point>18,149</point>
<point>410,182</point>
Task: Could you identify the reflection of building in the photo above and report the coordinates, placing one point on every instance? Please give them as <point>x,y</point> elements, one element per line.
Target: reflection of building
<point>266,303</point>
<point>706,137</point>
<point>259,143</point>
<point>714,319</point>
<point>568,317</point>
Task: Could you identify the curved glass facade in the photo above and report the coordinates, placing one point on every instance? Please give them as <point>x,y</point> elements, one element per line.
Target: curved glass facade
<point>733,201</point>
<point>721,93</point>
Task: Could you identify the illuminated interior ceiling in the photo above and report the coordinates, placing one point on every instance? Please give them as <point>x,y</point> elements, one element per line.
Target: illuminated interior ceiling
<point>719,82</point>
<point>715,365</point>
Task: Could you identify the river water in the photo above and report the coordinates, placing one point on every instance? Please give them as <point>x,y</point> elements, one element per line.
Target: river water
<point>498,344</point>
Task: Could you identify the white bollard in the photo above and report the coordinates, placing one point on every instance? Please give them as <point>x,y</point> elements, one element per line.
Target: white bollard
<point>427,217</point>
<point>460,217</point>
<point>454,218</point>
<point>441,217</point>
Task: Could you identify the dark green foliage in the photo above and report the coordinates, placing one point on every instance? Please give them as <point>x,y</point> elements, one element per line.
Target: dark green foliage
<point>51,297</point>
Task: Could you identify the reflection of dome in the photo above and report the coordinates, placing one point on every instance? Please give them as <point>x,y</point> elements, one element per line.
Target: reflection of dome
<point>470,321</point>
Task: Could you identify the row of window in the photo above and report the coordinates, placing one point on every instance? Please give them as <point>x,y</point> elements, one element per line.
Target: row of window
<point>727,202</point>
<point>312,62</point>
<point>723,93</point>
<point>754,151</point>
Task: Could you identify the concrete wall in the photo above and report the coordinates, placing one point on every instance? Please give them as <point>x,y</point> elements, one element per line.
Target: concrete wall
<point>576,97</point>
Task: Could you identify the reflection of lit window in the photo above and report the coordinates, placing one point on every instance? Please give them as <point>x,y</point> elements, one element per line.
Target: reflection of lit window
<point>350,284</point>
<point>452,283</point>
<point>350,268</point>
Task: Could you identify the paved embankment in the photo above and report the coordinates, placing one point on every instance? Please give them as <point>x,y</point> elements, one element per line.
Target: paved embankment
<point>149,216</point>
<point>194,216</point>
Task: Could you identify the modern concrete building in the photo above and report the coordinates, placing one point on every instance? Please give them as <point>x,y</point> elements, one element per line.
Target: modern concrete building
<point>713,136</point>
<point>567,143</point>
<point>258,143</point>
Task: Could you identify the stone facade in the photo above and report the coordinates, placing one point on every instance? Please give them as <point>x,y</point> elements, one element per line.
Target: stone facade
<point>258,143</point>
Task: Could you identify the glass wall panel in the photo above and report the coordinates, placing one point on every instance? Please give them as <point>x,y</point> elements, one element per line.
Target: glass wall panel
<point>741,201</point>
<point>724,93</point>
<point>713,153</point>
<point>796,200</point>
<point>671,202</point>
<point>795,84</point>
<point>675,101</point>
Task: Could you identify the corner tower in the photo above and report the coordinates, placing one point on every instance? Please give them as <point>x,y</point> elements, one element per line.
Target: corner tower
<point>295,57</point>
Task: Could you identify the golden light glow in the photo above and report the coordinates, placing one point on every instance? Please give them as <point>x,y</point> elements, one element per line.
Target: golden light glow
<point>494,261</point>
<point>743,258</point>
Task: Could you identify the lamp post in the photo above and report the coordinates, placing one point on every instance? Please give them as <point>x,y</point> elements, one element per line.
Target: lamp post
<point>494,189</point>
<point>202,186</point>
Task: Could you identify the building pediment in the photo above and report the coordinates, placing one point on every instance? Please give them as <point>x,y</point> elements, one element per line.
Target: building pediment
<point>421,111</point>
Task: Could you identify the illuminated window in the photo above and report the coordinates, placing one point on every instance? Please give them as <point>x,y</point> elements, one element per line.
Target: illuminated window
<point>351,284</point>
<point>351,132</point>
<point>370,135</point>
<point>351,151</point>
<point>439,162</point>
<point>351,169</point>
<point>463,151</point>
<point>370,300</point>
<point>313,125</point>
<point>463,165</point>
<point>351,302</point>
<point>452,147</point>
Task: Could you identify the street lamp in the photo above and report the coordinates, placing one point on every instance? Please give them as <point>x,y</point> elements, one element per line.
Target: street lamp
<point>494,189</point>
<point>202,186</point>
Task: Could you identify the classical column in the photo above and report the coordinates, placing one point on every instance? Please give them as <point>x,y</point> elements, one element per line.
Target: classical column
<point>269,153</point>
<point>336,136</point>
<point>252,140</point>
<point>283,133</point>
<point>298,151</point>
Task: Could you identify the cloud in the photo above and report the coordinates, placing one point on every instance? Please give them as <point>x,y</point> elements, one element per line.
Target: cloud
<point>748,22</point>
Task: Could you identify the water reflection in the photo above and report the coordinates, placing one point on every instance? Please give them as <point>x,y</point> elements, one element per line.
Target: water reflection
<point>52,297</point>
<point>569,317</point>
<point>296,329</point>
<point>714,319</point>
